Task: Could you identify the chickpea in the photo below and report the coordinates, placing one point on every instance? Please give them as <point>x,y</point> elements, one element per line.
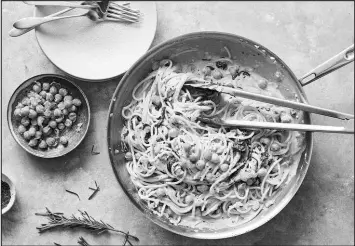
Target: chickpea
<point>60,146</point>
<point>68,123</point>
<point>25,121</point>
<point>68,104</point>
<point>33,143</point>
<point>200,164</point>
<point>61,106</point>
<point>250,182</point>
<point>195,154</point>
<point>128,156</point>
<point>32,114</point>
<point>68,98</point>
<point>17,113</point>
<point>63,140</point>
<point>63,92</point>
<point>262,83</point>
<point>49,97</point>
<point>47,105</point>
<point>25,111</point>
<point>48,113</point>
<point>38,134</point>
<point>285,118</point>
<point>160,192</point>
<point>43,94</point>
<point>209,177</point>
<point>43,145</point>
<point>173,133</point>
<point>58,98</point>
<point>77,102</point>
<point>65,111</point>
<point>53,90</point>
<point>215,158</point>
<point>26,135</point>
<point>36,88</point>
<point>189,199</point>
<point>275,147</point>
<point>147,129</point>
<point>202,188</point>
<point>39,109</point>
<point>34,102</point>
<point>40,120</point>
<point>72,108</point>
<point>52,124</point>
<point>32,131</point>
<point>156,100</point>
<point>50,141</point>
<point>262,172</point>
<point>25,101</point>
<point>217,74</point>
<point>57,112</point>
<point>34,122</point>
<point>21,129</point>
<point>47,131</point>
<point>206,71</point>
<point>207,155</point>
<point>61,126</point>
<point>45,86</point>
<point>72,116</point>
<point>224,167</point>
<point>60,119</point>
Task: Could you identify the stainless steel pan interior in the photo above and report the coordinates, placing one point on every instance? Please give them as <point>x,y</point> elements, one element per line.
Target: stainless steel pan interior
<point>186,48</point>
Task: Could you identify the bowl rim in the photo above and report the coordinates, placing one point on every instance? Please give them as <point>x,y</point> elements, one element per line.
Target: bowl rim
<point>6,179</point>
<point>39,76</point>
<point>307,154</point>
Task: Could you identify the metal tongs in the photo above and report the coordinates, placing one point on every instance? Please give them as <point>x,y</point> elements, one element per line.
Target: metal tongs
<point>336,62</point>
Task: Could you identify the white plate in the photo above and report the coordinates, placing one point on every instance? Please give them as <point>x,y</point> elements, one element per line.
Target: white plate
<point>96,50</point>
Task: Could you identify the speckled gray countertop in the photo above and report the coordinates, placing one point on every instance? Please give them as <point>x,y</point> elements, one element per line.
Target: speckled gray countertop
<point>303,34</point>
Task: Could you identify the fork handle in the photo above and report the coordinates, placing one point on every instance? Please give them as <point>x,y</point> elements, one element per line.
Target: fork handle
<point>32,22</point>
<point>62,4</point>
<point>18,32</point>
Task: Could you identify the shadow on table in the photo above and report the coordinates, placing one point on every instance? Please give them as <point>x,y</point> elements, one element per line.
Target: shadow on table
<point>11,219</point>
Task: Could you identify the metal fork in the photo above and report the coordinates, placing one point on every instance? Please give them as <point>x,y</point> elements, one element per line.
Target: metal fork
<point>117,12</point>
<point>112,14</point>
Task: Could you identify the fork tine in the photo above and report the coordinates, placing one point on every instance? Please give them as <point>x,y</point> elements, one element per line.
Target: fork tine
<point>120,14</point>
<point>119,6</point>
<point>117,10</point>
<point>118,18</point>
<point>113,15</point>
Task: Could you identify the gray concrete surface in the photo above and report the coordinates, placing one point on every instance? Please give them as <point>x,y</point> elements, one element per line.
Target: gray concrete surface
<point>303,34</point>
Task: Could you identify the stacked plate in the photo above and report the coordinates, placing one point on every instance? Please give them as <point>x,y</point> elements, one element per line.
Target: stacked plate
<point>96,51</point>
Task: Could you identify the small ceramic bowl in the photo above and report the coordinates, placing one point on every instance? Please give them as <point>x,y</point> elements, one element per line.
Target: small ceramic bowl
<point>75,134</point>
<point>12,192</point>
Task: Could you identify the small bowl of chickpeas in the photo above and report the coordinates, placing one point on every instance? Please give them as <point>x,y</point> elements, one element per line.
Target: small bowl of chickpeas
<point>48,115</point>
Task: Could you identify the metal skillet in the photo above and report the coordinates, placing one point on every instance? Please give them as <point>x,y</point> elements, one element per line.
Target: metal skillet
<point>184,49</point>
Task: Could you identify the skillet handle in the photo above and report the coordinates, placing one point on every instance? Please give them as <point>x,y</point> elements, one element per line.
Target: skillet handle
<point>343,58</point>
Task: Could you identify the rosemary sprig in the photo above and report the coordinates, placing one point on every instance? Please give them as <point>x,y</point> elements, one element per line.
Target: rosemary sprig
<point>95,191</point>
<point>83,242</point>
<point>58,220</point>
<point>72,192</point>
